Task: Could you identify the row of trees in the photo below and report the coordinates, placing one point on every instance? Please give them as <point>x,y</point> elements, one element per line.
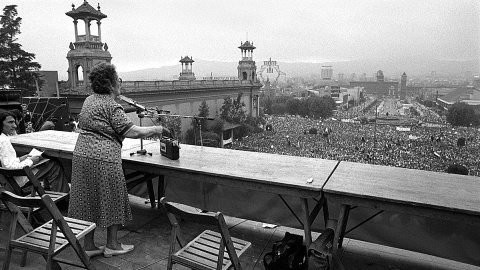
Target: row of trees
<point>462,114</point>
<point>314,106</point>
<point>17,67</point>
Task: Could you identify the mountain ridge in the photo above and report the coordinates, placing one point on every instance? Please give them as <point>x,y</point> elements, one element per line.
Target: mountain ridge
<point>392,68</point>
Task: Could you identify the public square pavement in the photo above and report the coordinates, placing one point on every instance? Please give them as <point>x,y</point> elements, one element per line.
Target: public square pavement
<point>150,233</point>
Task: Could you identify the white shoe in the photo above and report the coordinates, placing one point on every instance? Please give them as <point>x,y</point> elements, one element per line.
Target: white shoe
<point>107,253</point>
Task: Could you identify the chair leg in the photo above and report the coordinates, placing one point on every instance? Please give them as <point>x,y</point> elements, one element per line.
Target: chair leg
<point>8,256</point>
<point>169,263</point>
<point>23,260</point>
<point>49,262</point>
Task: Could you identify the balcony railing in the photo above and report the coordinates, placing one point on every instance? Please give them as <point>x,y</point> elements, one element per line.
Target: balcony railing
<point>137,86</point>
<point>83,38</point>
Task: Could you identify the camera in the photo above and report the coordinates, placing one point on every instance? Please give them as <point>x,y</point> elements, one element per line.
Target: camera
<point>170,148</point>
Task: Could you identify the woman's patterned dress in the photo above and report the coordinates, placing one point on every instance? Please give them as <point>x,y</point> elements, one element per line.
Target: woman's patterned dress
<point>99,192</point>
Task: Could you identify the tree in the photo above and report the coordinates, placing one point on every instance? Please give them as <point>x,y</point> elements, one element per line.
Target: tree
<point>203,111</point>
<point>173,123</point>
<point>17,68</point>
<point>461,114</point>
<point>232,110</point>
<point>321,106</point>
<point>293,106</point>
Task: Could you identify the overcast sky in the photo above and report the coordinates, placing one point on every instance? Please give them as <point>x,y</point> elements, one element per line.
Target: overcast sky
<point>153,33</point>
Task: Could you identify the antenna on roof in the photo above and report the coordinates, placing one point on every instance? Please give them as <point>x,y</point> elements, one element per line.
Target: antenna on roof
<point>247,35</point>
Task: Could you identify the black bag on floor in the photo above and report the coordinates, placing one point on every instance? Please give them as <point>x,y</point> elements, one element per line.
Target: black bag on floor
<point>288,254</point>
<point>320,251</point>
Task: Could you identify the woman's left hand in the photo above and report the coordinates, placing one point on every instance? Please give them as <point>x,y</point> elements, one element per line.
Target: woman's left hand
<point>22,158</point>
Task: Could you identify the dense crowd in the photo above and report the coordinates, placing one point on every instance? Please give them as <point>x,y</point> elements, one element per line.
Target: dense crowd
<point>415,147</point>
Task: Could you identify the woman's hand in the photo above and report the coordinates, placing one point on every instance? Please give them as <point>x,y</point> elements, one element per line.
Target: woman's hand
<point>22,158</point>
<point>35,159</point>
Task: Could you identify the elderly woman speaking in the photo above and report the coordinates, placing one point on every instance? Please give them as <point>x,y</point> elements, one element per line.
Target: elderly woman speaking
<point>99,191</point>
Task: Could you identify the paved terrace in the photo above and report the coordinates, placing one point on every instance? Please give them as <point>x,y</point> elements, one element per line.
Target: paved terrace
<point>150,233</point>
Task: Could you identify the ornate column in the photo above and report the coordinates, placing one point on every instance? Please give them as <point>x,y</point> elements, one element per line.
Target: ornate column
<point>87,30</point>
<point>75,22</point>
<point>99,32</point>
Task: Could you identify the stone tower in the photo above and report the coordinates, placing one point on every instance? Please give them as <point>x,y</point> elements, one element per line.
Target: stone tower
<point>247,70</point>
<point>88,49</point>
<point>403,86</point>
<point>187,73</point>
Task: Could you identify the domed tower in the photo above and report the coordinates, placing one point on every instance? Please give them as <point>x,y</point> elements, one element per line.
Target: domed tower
<point>247,70</point>
<point>88,49</point>
<point>187,73</point>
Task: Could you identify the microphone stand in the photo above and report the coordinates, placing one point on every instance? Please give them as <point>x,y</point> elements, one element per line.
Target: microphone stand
<point>142,151</point>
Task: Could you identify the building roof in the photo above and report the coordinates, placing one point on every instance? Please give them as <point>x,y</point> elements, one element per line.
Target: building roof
<point>186,59</point>
<point>457,95</point>
<point>324,83</point>
<point>86,10</point>
<point>246,45</point>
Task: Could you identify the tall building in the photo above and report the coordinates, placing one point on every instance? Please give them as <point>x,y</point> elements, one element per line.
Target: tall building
<point>327,72</point>
<point>378,87</point>
<point>87,50</point>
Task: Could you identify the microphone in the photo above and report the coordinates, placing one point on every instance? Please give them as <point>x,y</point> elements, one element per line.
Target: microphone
<point>133,103</point>
<point>131,109</point>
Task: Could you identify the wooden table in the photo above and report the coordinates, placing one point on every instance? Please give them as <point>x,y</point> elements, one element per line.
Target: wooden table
<point>278,174</point>
<point>58,143</point>
<point>422,193</point>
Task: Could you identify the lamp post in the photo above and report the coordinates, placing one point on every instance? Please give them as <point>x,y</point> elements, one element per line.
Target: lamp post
<point>375,132</point>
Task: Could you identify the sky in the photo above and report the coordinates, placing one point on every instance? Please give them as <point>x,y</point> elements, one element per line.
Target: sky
<point>153,33</point>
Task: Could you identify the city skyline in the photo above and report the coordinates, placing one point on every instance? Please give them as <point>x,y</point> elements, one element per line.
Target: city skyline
<point>152,34</point>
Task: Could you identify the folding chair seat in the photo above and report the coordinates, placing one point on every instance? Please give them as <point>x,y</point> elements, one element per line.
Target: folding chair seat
<point>209,250</point>
<point>48,239</point>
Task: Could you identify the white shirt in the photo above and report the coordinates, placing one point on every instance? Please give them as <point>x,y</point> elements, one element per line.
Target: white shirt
<point>9,159</point>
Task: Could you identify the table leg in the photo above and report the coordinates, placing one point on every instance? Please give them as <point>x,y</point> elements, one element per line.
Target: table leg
<point>161,187</point>
<point>151,193</point>
<point>342,224</point>
<point>307,226</point>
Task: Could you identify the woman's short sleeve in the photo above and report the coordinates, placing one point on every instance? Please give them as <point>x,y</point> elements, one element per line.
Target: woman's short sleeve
<point>120,121</point>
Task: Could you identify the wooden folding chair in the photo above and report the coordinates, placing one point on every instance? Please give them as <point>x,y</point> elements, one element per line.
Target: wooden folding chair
<point>35,189</point>
<point>206,251</point>
<point>49,239</point>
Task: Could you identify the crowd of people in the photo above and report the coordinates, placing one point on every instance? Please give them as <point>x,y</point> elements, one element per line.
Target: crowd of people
<point>414,147</point>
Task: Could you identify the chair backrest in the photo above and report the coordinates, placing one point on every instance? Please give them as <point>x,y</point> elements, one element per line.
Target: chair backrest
<point>8,174</point>
<point>215,219</point>
<point>13,202</point>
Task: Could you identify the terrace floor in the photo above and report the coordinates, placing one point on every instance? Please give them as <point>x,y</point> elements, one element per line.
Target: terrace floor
<point>150,233</point>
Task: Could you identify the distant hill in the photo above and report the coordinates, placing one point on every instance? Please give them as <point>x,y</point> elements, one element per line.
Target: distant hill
<point>392,68</point>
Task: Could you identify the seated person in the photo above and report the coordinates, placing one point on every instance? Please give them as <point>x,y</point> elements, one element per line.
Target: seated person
<point>50,172</point>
